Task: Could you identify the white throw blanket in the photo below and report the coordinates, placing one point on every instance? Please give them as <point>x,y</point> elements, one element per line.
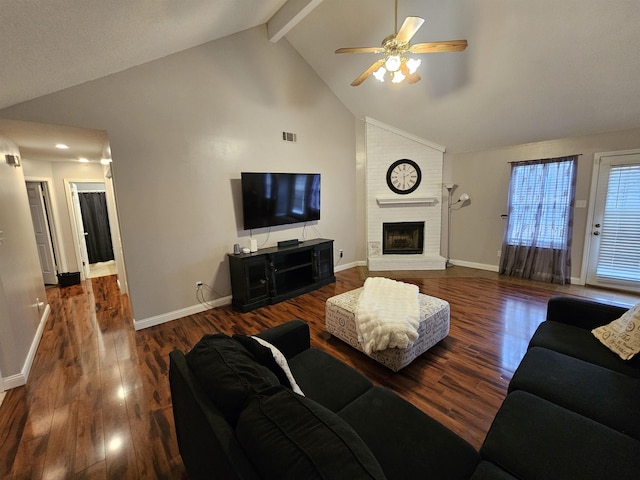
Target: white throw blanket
<point>387,315</point>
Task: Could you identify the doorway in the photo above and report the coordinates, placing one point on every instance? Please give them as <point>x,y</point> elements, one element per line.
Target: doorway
<point>92,228</point>
<point>614,236</point>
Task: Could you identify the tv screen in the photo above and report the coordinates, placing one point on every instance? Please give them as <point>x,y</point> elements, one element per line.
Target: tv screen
<point>270,199</point>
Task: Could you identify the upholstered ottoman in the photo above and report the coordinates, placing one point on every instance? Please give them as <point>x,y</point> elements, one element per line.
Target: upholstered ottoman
<point>433,327</point>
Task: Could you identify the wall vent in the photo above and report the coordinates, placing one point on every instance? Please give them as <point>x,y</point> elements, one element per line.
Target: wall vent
<point>289,137</point>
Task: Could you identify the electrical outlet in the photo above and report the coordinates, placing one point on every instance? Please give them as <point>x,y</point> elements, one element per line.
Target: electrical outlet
<point>341,253</point>
<point>499,253</point>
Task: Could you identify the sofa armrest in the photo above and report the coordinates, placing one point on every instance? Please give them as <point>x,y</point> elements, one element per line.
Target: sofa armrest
<point>581,312</point>
<point>291,338</point>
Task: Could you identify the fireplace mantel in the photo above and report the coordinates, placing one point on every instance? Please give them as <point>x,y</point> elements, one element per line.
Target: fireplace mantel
<point>417,201</point>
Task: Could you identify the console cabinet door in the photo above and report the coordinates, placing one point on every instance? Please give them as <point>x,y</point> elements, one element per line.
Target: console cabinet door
<point>324,261</point>
<point>250,284</point>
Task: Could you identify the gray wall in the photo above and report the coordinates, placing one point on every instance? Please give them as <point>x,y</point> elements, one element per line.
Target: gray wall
<point>477,229</point>
<point>181,130</point>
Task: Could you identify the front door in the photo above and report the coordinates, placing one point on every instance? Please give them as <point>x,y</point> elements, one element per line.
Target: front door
<point>614,254</point>
<point>42,232</point>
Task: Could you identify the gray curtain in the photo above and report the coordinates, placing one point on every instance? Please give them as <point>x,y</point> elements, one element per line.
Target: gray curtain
<point>538,234</point>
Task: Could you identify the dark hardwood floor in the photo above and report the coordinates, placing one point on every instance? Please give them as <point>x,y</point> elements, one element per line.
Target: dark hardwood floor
<point>97,402</point>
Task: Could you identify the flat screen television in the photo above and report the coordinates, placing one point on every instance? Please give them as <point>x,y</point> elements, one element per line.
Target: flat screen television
<point>270,199</point>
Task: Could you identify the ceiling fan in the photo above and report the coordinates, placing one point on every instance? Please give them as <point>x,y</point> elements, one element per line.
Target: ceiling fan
<point>395,47</point>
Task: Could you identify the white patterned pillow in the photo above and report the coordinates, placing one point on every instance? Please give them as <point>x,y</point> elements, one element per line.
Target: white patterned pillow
<point>622,336</point>
<point>281,360</point>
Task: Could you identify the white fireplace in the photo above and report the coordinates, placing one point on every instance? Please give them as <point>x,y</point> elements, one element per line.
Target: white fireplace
<point>422,207</point>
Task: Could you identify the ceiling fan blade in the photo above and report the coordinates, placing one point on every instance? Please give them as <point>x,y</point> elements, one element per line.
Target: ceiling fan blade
<point>410,77</point>
<point>433,47</point>
<point>360,50</point>
<point>409,29</point>
<point>364,75</point>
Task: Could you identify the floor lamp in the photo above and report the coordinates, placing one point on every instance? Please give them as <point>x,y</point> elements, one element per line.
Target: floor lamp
<point>463,198</point>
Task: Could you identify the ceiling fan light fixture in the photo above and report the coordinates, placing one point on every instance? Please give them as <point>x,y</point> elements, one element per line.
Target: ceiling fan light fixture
<point>395,46</point>
<point>392,63</point>
<point>413,64</point>
<point>398,77</point>
<point>380,73</point>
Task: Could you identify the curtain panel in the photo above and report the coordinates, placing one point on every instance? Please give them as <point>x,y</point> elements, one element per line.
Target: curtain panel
<point>538,234</point>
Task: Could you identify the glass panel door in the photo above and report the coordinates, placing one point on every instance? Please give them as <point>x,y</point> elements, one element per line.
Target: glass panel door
<point>614,259</point>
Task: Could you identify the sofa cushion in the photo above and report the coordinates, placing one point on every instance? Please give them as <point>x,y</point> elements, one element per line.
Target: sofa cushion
<point>489,471</point>
<point>286,435</point>
<point>601,394</point>
<point>228,373</point>
<point>580,343</point>
<point>406,442</point>
<point>327,380</point>
<point>622,336</point>
<point>534,438</point>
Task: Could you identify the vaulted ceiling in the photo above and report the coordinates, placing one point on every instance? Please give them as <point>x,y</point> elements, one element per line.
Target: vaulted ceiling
<point>533,70</point>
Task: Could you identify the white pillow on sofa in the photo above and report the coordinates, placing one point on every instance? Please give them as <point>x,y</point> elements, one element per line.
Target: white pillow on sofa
<point>281,360</point>
<point>622,336</point>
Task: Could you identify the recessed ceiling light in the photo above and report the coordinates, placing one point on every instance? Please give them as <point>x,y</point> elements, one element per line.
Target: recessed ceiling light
<point>62,146</point>
<point>83,160</point>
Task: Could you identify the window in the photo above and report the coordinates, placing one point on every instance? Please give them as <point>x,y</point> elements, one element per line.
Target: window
<point>540,203</point>
<point>537,237</point>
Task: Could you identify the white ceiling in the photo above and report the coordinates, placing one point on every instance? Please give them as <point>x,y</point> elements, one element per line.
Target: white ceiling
<point>534,70</point>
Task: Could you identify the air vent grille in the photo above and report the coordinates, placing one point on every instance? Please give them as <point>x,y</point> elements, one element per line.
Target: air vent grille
<point>289,137</point>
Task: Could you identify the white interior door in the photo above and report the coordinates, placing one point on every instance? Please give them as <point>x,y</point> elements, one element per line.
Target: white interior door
<point>42,233</point>
<point>614,251</point>
<point>81,245</point>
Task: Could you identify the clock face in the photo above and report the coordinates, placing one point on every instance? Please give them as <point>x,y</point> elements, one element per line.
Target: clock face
<point>404,176</point>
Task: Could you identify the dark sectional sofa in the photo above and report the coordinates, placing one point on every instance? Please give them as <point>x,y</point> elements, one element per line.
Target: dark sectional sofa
<point>570,413</point>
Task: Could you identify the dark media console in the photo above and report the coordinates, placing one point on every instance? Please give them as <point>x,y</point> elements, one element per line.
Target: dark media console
<point>274,274</point>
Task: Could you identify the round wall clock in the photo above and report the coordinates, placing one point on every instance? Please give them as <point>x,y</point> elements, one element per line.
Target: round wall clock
<point>404,176</point>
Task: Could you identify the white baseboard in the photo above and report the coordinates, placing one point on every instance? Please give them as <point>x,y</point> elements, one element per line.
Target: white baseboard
<point>20,379</point>
<point>183,312</point>
<point>13,381</point>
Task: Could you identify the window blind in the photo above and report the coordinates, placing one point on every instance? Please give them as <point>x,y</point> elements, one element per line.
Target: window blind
<point>619,255</point>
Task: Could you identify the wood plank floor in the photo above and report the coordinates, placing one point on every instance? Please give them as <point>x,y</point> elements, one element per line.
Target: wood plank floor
<point>97,404</point>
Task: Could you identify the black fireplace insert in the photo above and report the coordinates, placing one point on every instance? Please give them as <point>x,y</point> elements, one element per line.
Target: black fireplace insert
<point>403,238</point>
